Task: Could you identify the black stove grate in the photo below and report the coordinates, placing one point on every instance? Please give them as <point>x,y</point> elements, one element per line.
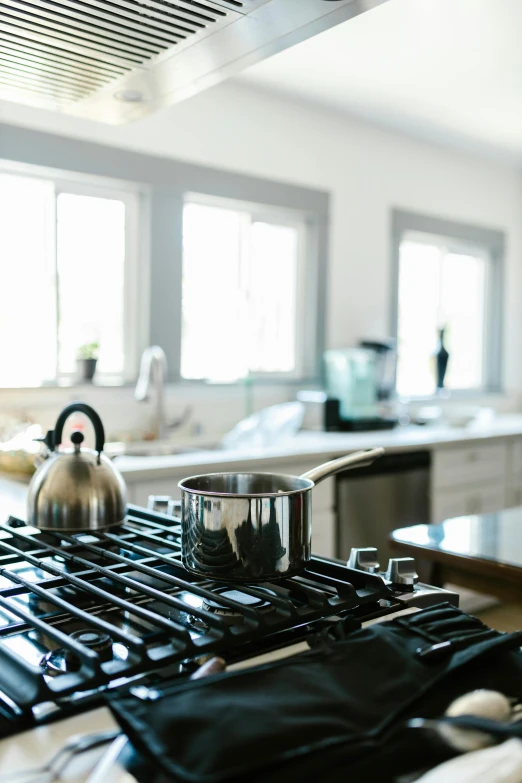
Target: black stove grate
<point>78,611</point>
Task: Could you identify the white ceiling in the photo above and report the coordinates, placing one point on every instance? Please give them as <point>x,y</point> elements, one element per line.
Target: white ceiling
<point>448,70</point>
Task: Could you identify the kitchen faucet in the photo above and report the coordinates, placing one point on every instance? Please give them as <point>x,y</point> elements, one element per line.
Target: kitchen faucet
<point>154,366</point>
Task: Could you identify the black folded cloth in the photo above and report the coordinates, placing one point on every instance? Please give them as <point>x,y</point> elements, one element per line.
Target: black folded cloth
<point>336,713</point>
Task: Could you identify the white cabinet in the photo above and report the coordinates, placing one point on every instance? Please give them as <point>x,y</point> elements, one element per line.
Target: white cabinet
<point>470,500</point>
<point>459,466</point>
<point>514,483</point>
<point>514,495</point>
<point>470,480</point>
<point>516,457</point>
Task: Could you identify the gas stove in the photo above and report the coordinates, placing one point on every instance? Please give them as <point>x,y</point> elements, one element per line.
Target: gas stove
<point>84,614</point>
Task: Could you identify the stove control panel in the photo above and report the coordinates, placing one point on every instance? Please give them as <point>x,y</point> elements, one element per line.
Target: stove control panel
<point>364,559</point>
<point>427,595</point>
<point>401,576</point>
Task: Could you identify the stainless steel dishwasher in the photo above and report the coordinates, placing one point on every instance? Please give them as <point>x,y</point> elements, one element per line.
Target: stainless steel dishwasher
<point>373,501</point>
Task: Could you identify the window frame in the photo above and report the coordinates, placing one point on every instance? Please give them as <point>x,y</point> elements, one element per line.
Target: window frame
<point>490,241</point>
<point>135,306</point>
<point>162,182</point>
<point>277,216</point>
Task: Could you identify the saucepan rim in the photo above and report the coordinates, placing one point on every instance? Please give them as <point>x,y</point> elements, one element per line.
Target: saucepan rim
<point>308,485</point>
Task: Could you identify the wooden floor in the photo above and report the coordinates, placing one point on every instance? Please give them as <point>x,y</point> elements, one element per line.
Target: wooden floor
<point>504,617</point>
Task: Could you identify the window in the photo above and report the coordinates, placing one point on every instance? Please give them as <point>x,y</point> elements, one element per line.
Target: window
<point>452,283</point>
<point>242,300</point>
<point>63,277</point>
<point>155,251</point>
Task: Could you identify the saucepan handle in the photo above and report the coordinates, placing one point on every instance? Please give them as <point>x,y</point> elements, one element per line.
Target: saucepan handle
<point>359,459</point>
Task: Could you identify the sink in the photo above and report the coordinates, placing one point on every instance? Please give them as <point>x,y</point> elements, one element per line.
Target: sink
<point>151,448</point>
<point>157,450</point>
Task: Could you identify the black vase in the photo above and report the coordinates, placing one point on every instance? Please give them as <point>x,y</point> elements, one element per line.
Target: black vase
<point>441,358</point>
<point>86,369</point>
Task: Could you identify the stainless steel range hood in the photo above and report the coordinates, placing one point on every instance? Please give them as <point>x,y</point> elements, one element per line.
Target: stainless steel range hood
<point>116,60</point>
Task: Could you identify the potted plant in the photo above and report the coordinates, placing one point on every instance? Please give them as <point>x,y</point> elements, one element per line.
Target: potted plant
<point>86,359</point>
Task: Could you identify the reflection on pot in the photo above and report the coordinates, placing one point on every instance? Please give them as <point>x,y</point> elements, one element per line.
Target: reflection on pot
<point>249,540</point>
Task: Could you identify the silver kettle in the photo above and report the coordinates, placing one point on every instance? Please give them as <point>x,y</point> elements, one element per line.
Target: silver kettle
<point>76,489</point>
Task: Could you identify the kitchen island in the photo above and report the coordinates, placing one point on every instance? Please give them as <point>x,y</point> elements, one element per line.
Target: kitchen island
<point>480,552</point>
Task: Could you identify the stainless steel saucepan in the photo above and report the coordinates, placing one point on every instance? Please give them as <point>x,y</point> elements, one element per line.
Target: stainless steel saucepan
<point>250,527</point>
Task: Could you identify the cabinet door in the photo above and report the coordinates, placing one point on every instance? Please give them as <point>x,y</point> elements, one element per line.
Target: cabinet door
<point>480,499</point>
<point>454,467</point>
<point>447,505</point>
<point>516,463</point>
<point>514,495</point>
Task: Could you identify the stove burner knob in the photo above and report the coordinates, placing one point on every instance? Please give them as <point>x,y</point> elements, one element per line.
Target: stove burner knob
<point>364,559</point>
<point>401,573</point>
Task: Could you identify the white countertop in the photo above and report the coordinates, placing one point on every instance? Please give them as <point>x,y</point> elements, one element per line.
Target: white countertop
<point>306,447</point>
<point>317,447</point>
<point>13,495</point>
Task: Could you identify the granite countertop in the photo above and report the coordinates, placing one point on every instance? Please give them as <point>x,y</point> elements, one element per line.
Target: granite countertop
<point>493,537</point>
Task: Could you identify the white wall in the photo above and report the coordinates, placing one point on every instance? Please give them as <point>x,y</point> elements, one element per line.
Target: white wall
<point>367,170</point>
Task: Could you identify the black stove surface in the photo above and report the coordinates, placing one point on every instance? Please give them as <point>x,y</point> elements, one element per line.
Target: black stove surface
<point>83,612</point>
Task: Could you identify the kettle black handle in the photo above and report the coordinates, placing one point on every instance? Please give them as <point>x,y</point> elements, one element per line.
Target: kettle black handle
<point>80,407</point>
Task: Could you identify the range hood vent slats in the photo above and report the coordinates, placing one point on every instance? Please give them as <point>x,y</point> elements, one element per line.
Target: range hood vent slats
<point>85,19</point>
<point>37,86</point>
<point>40,94</point>
<point>72,48</point>
<point>61,41</point>
<point>169,13</point>
<point>205,12</point>
<point>124,14</point>
<point>118,60</point>
<point>46,57</point>
<point>46,70</point>
<point>31,48</point>
<point>83,35</point>
<point>36,83</point>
